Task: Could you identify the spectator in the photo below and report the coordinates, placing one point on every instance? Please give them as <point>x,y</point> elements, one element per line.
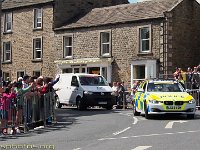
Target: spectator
<point>189,75</point>
<point>6,102</point>
<point>135,86</point>
<point>121,91</point>
<point>20,92</point>
<point>195,79</point>
<point>115,91</point>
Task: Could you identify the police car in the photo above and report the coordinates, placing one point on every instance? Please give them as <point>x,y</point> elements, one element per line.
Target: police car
<point>162,97</point>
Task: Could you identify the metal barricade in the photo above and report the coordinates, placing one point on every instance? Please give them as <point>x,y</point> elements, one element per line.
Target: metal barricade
<point>196,95</point>
<point>36,110</point>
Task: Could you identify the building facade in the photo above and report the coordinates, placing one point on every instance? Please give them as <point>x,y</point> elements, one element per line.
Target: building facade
<point>27,33</point>
<point>123,42</point>
<point>132,41</point>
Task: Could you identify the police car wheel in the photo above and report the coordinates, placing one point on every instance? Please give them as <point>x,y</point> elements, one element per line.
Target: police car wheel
<point>135,112</point>
<point>147,116</point>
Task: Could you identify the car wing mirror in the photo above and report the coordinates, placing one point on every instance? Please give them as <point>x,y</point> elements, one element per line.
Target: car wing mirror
<point>140,90</point>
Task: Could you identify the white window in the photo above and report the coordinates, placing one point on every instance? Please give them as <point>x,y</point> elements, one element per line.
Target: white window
<point>6,76</point>
<point>37,48</point>
<point>38,18</point>
<point>7,51</point>
<point>68,46</point>
<point>105,43</point>
<point>144,39</point>
<point>37,73</point>
<point>8,22</point>
<point>20,74</point>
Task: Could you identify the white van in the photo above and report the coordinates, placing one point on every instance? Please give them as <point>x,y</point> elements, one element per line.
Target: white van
<point>84,90</point>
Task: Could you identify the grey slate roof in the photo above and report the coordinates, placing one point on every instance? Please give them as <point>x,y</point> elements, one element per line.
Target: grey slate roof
<point>123,13</point>
<point>8,4</point>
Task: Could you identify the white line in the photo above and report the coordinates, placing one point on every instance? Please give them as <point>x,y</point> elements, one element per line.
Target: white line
<point>116,133</point>
<point>150,135</point>
<point>135,120</point>
<point>141,147</point>
<point>170,124</point>
<point>77,149</point>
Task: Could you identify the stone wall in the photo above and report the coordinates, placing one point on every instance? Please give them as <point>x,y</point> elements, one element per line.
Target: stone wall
<point>22,43</point>
<point>124,46</point>
<point>185,39</point>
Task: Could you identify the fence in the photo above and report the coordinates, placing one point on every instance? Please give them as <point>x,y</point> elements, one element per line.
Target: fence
<point>35,110</point>
<point>196,95</point>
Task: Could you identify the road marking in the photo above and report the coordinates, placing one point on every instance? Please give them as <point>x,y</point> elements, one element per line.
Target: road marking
<point>141,147</point>
<point>170,124</point>
<point>119,132</point>
<point>77,149</point>
<point>127,114</point>
<point>150,135</point>
<point>135,120</point>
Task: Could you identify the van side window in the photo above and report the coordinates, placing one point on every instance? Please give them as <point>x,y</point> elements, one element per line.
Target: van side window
<point>74,81</point>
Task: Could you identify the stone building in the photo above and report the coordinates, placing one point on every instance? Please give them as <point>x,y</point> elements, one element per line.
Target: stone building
<point>120,42</point>
<point>27,32</point>
<point>131,41</point>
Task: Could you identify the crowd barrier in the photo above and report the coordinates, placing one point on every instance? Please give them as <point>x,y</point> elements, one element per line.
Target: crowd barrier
<point>36,110</point>
<point>196,95</point>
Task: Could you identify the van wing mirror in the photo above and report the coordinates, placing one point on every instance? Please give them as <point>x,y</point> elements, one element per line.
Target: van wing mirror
<point>75,84</point>
<point>140,90</point>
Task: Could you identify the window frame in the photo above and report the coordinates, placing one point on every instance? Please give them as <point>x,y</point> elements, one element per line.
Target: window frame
<point>6,22</point>
<point>140,40</point>
<point>38,50</point>
<point>36,17</point>
<point>4,52</point>
<point>65,47</point>
<point>34,72</point>
<point>105,43</point>
<point>19,72</point>
<point>5,74</point>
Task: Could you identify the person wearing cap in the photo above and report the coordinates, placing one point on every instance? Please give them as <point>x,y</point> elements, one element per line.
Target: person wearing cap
<point>20,79</point>
<point>25,81</point>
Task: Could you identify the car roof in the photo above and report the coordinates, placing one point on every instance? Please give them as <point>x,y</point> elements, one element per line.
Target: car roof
<point>162,81</point>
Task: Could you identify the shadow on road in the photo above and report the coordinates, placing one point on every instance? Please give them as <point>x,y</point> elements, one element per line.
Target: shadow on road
<point>65,117</point>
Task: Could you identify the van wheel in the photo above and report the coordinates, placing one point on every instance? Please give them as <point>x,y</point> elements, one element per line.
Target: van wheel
<point>79,104</point>
<point>109,107</point>
<point>190,116</point>
<point>58,104</point>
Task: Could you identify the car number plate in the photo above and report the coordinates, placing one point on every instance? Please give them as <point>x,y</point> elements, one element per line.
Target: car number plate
<point>102,102</point>
<point>173,107</point>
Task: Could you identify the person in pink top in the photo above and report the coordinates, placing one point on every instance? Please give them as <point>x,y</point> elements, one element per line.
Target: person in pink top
<point>7,95</point>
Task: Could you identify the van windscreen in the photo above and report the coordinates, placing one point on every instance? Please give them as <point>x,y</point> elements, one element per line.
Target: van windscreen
<point>93,81</point>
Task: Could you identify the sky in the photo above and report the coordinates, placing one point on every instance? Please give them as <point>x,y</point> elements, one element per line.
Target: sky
<point>134,1</point>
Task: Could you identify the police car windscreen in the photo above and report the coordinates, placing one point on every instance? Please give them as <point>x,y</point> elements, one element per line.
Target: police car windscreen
<point>164,87</point>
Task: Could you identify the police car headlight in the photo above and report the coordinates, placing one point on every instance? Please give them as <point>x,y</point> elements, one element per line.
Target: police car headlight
<point>154,101</point>
<point>88,92</point>
<point>192,101</point>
